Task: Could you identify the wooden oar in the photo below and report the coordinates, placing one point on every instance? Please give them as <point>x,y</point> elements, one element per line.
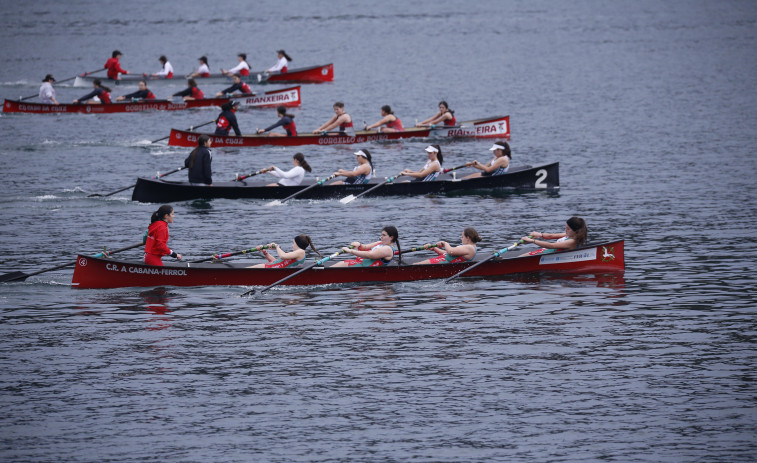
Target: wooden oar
<point>251,174</point>
<point>493,256</point>
<point>276,202</point>
<point>132,186</point>
<point>191,128</point>
<point>229,254</point>
<point>20,276</point>
<point>350,198</point>
<point>454,168</point>
<point>65,80</point>
<point>315,264</point>
<point>415,249</point>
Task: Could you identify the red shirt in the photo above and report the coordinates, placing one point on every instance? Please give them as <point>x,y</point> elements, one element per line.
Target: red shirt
<point>105,98</point>
<point>157,239</point>
<point>114,67</point>
<point>197,93</point>
<point>246,88</point>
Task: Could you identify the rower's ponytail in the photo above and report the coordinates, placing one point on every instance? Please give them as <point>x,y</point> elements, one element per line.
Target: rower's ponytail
<point>439,156</point>
<point>303,241</point>
<point>162,211</point>
<point>301,159</point>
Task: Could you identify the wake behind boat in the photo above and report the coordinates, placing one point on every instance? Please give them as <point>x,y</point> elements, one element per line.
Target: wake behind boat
<point>492,127</point>
<point>523,178</point>
<point>309,75</point>
<point>287,97</point>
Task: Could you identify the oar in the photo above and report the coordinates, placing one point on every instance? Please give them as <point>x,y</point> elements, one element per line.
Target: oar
<point>315,264</point>
<point>415,249</point>
<point>454,168</point>
<point>276,202</point>
<point>251,174</point>
<point>229,254</point>
<point>495,255</point>
<point>350,198</point>
<point>191,128</point>
<point>20,276</point>
<point>66,80</point>
<point>132,186</point>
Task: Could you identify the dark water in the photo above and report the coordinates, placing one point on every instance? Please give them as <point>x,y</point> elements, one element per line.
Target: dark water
<point>650,109</point>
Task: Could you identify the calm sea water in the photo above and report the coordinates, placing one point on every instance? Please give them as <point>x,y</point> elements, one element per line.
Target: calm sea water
<point>650,109</point>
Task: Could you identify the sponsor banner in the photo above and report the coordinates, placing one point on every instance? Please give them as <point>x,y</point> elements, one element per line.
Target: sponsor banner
<point>146,270</point>
<point>568,257</point>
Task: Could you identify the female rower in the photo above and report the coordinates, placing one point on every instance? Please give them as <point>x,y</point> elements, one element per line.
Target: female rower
<point>198,162</point>
<point>227,120</point>
<point>143,93</point>
<point>453,255</point>
<point>238,85</point>
<point>113,65</point>
<point>390,122</point>
<point>281,64</point>
<point>294,175</point>
<point>497,166</point>
<point>289,259</point>
<point>286,120</point>
<point>192,92</point>
<point>46,90</point>
<point>445,115</point>
<point>575,235</point>
<point>167,71</point>
<point>361,174</point>
<point>340,119</point>
<point>374,254</point>
<point>101,92</point>
<point>203,70</point>
<point>156,245</point>
<point>432,168</point>
<point>242,68</point>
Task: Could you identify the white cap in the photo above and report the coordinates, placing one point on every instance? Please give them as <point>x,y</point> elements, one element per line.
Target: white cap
<point>431,149</point>
<point>360,153</point>
<point>496,146</point>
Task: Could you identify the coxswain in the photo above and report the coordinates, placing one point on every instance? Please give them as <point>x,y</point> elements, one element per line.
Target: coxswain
<point>203,70</point>
<point>46,90</point>
<point>390,122</point>
<point>242,68</point>
<point>100,94</point>
<point>192,92</point>
<point>238,86</point>
<point>227,120</point>
<point>198,162</point>
<point>143,93</point>
<point>281,64</point>
<point>445,115</point>
<point>497,166</point>
<point>433,166</point>
<point>113,65</point>
<point>156,243</point>
<point>167,71</point>
<point>575,235</point>
<point>340,120</point>
<point>293,176</point>
<point>448,254</point>
<point>362,173</point>
<point>286,121</point>
<point>288,259</point>
<point>374,254</point>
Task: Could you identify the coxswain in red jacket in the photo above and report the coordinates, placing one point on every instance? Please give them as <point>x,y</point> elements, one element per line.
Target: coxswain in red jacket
<point>114,66</point>
<point>227,120</point>
<point>156,243</point>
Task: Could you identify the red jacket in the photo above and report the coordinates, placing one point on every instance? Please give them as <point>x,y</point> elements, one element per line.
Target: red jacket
<point>114,67</point>
<point>157,239</point>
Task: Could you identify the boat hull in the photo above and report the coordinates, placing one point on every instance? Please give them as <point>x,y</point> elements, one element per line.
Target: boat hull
<point>287,97</point>
<point>540,178</point>
<point>309,75</point>
<point>495,127</point>
<point>92,272</point>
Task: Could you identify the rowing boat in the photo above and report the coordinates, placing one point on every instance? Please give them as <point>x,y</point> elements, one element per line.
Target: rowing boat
<point>492,127</point>
<point>93,272</point>
<point>522,178</point>
<point>287,97</point>
<point>308,75</point>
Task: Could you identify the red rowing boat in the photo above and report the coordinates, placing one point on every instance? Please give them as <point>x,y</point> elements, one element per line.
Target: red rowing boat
<point>92,272</point>
<point>287,97</point>
<point>492,127</point>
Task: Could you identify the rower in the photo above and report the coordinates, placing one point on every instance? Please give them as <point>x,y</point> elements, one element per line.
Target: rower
<point>46,90</point>
<point>238,85</point>
<point>361,174</point>
<point>575,235</point>
<point>143,93</point>
<point>167,71</point>
<point>281,64</point>
<point>293,176</point>
<point>448,254</point>
<point>101,94</point>
<point>445,115</point>
<point>497,166</point>
<point>432,168</point>
<point>340,120</point>
<point>156,242</point>
<point>286,121</point>
<point>374,254</point>
<point>203,70</point>
<point>192,92</point>
<point>198,162</point>
<point>289,259</point>
<point>227,120</point>
<point>113,65</point>
<point>390,122</point>
<point>242,68</point>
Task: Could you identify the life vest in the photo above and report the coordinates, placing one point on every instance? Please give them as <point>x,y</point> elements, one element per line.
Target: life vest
<point>197,93</point>
<point>104,97</point>
<point>452,121</point>
<point>396,124</point>
<point>245,88</point>
<point>291,128</point>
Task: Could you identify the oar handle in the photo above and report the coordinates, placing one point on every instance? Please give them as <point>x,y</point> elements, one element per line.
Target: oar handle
<point>251,174</point>
<point>220,256</point>
<point>415,249</point>
<point>455,168</point>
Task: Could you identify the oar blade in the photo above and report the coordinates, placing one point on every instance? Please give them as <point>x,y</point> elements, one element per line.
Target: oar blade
<point>13,276</point>
<point>275,202</point>
<point>347,199</point>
